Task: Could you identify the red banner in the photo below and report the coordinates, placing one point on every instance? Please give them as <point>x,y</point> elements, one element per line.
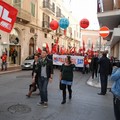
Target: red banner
<point>7,16</point>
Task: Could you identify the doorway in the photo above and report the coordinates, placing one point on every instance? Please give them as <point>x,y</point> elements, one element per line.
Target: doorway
<point>32,46</point>
<point>17,48</point>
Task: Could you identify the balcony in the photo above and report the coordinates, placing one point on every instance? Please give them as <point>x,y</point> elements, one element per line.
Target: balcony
<point>48,7</point>
<point>23,16</point>
<point>59,32</point>
<point>45,26</point>
<point>115,36</point>
<point>59,15</point>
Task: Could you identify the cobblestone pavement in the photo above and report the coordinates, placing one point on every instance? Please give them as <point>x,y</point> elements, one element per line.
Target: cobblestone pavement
<point>85,104</point>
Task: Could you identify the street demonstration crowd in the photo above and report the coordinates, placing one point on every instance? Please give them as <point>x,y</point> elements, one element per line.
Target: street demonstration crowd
<point>42,74</point>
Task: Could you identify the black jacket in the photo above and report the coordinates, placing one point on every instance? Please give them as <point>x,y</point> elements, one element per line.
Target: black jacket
<point>94,63</point>
<point>105,66</point>
<point>34,70</point>
<point>49,67</point>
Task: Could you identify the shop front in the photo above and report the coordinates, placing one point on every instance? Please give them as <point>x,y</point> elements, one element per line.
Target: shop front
<point>14,47</point>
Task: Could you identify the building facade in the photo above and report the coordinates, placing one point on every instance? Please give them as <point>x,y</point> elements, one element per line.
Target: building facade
<point>91,39</point>
<point>109,15</point>
<point>32,31</point>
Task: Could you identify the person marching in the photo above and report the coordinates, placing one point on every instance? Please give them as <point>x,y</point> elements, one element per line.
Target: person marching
<point>66,78</point>
<point>33,87</point>
<point>44,69</point>
<point>4,61</point>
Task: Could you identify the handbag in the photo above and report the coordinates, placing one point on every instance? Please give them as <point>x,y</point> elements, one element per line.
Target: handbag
<point>61,86</point>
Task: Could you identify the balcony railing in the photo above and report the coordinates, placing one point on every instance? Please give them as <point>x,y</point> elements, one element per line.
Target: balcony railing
<point>23,14</point>
<point>59,32</point>
<point>48,6</point>
<point>60,15</point>
<point>45,24</point>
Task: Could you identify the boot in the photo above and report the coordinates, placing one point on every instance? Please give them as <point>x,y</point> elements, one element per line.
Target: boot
<point>70,95</point>
<point>64,97</point>
<point>30,92</point>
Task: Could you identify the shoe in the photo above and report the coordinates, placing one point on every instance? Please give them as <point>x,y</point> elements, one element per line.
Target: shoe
<point>40,103</point>
<point>28,96</point>
<point>101,94</point>
<point>63,102</point>
<point>70,97</point>
<point>45,105</point>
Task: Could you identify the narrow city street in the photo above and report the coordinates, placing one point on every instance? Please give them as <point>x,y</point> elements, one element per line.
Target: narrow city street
<point>85,104</point>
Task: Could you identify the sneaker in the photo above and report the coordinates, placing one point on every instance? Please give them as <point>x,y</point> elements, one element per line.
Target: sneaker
<point>45,104</point>
<point>40,103</point>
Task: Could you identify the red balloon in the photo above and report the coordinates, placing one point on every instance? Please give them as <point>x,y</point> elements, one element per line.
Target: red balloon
<point>84,23</point>
<point>54,25</point>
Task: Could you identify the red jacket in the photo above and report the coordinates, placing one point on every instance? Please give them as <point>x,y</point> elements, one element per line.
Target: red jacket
<point>86,61</point>
<point>4,58</point>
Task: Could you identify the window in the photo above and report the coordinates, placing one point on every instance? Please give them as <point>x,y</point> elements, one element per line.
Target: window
<point>89,42</point>
<point>52,37</point>
<point>33,9</point>
<point>17,3</point>
<point>46,17</point>
<point>58,12</point>
<point>53,7</point>
<point>45,35</point>
<point>46,20</point>
<point>97,43</point>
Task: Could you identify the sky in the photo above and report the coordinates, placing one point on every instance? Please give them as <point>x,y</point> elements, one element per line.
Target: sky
<point>84,9</point>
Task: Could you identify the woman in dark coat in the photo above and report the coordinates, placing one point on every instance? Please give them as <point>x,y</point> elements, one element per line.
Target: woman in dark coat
<point>66,77</point>
<point>34,85</point>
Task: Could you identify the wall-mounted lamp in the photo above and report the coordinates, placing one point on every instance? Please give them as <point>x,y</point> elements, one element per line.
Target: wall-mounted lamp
<point>0,37</point>
<point>35,36</point>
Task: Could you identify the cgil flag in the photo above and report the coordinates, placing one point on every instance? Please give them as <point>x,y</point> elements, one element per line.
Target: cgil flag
<point>7,16</point>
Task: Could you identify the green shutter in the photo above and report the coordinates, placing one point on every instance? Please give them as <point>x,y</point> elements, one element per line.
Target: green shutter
<point>33,9</point>
<point>17,3</point>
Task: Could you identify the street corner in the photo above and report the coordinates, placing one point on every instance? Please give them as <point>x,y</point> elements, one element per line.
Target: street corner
<point>93,82</point>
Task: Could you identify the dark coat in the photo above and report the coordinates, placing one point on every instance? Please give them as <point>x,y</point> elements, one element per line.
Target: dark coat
<point>94,63</point>
<point>105,66</point>
<point>34,70</point>
<point>49,67</point>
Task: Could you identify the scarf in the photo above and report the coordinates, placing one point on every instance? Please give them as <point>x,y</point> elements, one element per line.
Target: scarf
<point>43,62</point>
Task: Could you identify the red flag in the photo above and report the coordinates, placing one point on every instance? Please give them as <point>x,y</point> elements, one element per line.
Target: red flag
<point>92,53</point>
<point>65,32</point>
<point>54,48</point>
<point>80,50</point>
<point>83,45</point>
<point>7,16</point>
<point>92,47</point>
<point>73,50</point>
<point>47,48</point>
<point>39,50</point>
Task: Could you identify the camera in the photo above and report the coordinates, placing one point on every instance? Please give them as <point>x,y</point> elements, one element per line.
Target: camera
<point>116,64</point>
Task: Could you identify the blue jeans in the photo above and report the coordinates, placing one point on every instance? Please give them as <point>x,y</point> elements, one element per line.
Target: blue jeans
<point>116,103</point>
<point>43,83</point>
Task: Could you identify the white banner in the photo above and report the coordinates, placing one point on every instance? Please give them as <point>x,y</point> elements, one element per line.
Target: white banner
<point>60,59</point>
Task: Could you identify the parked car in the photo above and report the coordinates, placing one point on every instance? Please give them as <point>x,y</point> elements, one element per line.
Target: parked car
<point>28,63</point>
